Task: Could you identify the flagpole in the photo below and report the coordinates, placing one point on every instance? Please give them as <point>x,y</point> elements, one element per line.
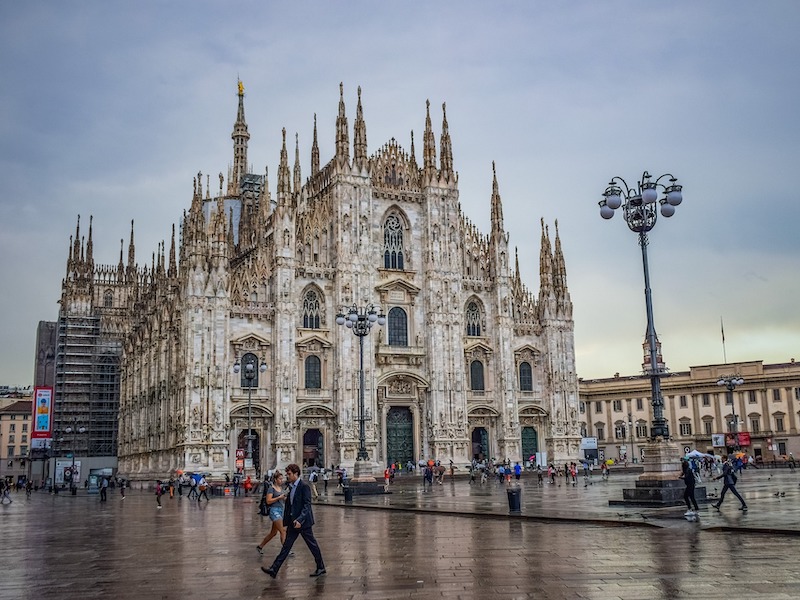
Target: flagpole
<point>722,331</point>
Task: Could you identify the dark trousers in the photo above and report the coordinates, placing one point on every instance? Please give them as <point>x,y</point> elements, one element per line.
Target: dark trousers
<point>291,537</point>
<point>732,488</point>
<point>103,493</point>
<point>688,497</point>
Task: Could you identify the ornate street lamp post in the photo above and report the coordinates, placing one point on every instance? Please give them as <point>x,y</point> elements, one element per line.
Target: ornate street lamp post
<point>73,487</point>
<point>359,320</point>
<point>640,214</point>
<point>631,455</point>
<point>731,382</point>
<point>658,485</point>
<point>249,375</point>
<point>71,429</point>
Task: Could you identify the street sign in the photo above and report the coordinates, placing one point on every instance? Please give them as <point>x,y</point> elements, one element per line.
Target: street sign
<point>239,453</point>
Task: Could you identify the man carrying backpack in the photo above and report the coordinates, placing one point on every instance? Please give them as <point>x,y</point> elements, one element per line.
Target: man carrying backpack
<point>312,479</point>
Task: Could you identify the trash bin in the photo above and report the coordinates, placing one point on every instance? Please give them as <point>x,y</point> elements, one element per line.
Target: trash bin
<point>348,493</point>
<point>514,500</point>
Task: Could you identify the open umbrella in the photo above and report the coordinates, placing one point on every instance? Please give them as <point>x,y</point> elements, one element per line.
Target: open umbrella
<point>697,454</point>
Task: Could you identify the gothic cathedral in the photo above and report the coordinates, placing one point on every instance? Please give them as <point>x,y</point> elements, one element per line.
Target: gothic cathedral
<point>470,363</point>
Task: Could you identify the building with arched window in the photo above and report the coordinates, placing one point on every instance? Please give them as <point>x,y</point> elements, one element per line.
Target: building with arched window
<point>471,363</point>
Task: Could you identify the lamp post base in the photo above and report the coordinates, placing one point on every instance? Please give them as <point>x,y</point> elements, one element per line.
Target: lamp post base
<point>363,482</point>
<point>362,471</point>
<point>659,485</point>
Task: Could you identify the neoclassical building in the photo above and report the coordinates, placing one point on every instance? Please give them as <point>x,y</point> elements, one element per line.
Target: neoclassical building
<point>470,363</point>
<point>764,410</point>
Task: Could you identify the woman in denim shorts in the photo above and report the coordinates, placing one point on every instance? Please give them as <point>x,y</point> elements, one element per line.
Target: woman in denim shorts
<point>275,501</point>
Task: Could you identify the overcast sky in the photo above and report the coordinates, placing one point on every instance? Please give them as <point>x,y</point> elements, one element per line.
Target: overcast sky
<point>110,109</point>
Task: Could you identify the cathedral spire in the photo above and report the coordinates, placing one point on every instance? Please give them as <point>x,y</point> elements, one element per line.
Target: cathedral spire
<point>264,203</point>
<point>559,267</point>
<point>76,247</point>
<point>284,178</point>
<point>239,137</point>
<point>413,157</point>
<point>360,136</point>
<point>497,205</point>
<point>545,265</point>
<point>131,254</point>
<point>342,135</point>
<point>560,278</point>
<point>315,151</point>
<point>173,264</point>
<point>90,248</point>
<point>297,176</point>
<point>161,261</point>
<point>447,149</point>
<point>429,144</point>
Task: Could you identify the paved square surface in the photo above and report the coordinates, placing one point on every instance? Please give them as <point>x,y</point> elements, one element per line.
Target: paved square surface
<point>567,544</point>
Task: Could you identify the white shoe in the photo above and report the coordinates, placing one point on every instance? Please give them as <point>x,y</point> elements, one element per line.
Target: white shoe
<point>689,513</point>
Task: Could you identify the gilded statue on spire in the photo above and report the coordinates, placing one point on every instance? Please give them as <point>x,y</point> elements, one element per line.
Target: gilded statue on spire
<point>241,87</point>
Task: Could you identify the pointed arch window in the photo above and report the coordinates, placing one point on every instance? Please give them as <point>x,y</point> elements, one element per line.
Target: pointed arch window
<point>525,377</point>
<point>311,310</point>
<point>476,376</point>
<point>393,243</point>
<point>313,373</point>
<point>398,327</point>
<point>108,299</point>
<point>473,319</point>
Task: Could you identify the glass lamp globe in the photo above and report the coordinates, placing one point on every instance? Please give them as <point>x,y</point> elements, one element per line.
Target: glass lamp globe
<point>613,201</point>
<point>606,212</point>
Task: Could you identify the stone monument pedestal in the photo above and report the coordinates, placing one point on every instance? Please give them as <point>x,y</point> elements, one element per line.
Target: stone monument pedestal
<point>363,482</point>
<point>659,485</point>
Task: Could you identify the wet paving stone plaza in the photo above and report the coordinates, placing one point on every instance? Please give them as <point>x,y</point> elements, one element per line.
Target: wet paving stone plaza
<point>453,541</point>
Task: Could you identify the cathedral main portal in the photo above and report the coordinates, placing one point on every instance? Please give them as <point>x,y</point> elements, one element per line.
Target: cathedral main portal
<point>399,435</point>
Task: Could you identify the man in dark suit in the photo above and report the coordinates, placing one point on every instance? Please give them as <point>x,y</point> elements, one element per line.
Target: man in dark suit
<point>298,519</point>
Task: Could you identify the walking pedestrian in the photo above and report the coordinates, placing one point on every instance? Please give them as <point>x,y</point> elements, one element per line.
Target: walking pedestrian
<point>517,471</point>
<point>298,518</point>
<point>275,501</point>
<point>729,479</point>
<point>159,491</point>
<point>193,488</point>
<point>687,474</point>
<point>325,478</point>
<point>171,488</point>
<point>122,487</point>
<point>103,489</point>
<point>312,479</point>
<point>203,485</point>
<point>4,491</point>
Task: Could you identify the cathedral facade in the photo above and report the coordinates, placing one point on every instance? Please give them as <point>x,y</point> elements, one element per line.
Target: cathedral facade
<point>470,364</point>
